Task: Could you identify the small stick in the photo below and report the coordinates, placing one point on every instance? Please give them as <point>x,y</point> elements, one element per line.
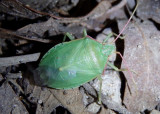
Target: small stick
<point>115,8</point>
<point>4,33</point>
<point>14,75</point>
<point>8,61</point>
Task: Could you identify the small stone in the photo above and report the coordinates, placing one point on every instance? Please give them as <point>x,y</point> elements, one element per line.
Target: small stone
<point>155,112</point>
<point>111,85</point>
<point>39,101</point>
<point>93,107</point>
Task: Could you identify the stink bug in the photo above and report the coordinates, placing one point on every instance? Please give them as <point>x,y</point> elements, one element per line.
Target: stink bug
<point>71,64</point>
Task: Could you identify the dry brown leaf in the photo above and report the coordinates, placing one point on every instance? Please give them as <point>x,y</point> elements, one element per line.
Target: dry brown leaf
<point>70,99</point>
<point>52,27</point>
<point>48,100</point>
<point>149,9</point>
<point>16,8</point>
<point>38,29</point>
<point>57,25</point>
<point>142,54</point>
<point>10,103</point>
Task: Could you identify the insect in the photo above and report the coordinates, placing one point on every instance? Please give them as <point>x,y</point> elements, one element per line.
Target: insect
<point>71,64</point>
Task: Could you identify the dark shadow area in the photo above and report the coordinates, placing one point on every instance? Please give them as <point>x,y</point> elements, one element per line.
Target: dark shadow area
<point>119,48</point>
<point>157,25</point>
<point>123,85</point>
<point>158,106</point>
<point>146,112</point>
<point>60,110</point>
<point>83,8</point>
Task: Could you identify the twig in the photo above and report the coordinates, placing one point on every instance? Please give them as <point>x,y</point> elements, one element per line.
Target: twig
<point>14,75</point>
<point>112,10</point>
<point>9,34</point>
<point>115,8</point>
<point>8,61</point>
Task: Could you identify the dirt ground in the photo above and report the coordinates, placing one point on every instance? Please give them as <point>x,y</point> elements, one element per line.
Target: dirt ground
<point>29,28</point>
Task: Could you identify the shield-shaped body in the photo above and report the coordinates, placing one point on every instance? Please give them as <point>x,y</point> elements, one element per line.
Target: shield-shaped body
<point>71,64</point>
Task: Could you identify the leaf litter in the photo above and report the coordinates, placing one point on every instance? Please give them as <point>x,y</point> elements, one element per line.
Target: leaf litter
<point>140,51</point>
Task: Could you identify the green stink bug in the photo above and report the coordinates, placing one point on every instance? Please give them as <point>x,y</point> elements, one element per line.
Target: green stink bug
<point>71,64</point>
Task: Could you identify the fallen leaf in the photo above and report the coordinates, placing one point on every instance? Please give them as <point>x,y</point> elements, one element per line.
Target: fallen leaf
<point>16,8</point>
<point>149,9</point>
<point>142,55</point>
<point>70,99</point>
<point>10,103</point>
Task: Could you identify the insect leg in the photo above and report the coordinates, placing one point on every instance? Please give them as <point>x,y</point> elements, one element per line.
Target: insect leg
<point>126,66</point>
<point>69,36</point>
<point>114,67</point>
<point>128,70</point>
<point>84,33</point>
<point>117,69</point>
<point>100,90</point>
<point>110,35</point>
<point>121,37</point>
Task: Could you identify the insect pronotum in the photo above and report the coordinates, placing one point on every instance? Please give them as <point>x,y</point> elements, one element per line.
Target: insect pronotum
<point>71,64</point>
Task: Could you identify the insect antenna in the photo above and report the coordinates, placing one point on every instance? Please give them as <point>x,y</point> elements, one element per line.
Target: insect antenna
<point>120,53</point>
<point>126,23</point>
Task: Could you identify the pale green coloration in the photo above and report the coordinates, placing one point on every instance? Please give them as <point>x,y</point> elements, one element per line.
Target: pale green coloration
<point>71,64</point>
